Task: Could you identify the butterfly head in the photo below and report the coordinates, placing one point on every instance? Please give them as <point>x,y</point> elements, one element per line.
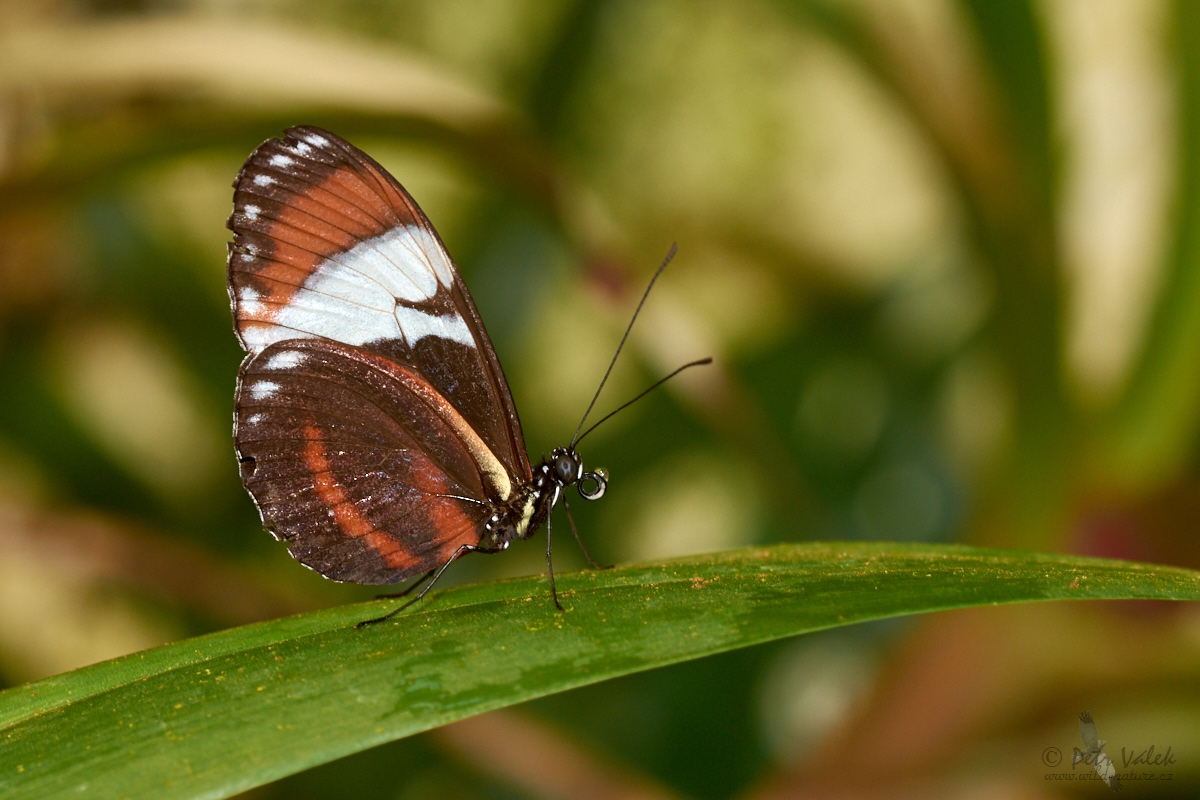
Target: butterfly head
<point>566,468</point>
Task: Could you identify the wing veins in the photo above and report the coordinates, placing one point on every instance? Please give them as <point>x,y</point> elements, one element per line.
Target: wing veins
<point>419,255</point>
<point>285,303</point>
<point>275,218</point>
<point>302,285</point>
<point>352,201</point>
<point>478,468</point>
<point>313,179</point>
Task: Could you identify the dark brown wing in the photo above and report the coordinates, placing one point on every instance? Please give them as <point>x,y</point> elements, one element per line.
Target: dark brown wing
<point>328,245</point>
<point>358,463</point>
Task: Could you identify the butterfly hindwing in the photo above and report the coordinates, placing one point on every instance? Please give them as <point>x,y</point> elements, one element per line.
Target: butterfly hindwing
<point>353,462</point>
<point>327,245</point>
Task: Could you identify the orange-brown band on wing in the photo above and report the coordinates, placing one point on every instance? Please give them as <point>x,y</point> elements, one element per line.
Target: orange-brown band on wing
<point>277,277</point>
<point>348,518</point>
<point>454,528</point>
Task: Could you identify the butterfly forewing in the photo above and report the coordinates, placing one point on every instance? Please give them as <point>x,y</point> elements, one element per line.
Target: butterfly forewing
<point>374,424</point>
<point>327,244</point>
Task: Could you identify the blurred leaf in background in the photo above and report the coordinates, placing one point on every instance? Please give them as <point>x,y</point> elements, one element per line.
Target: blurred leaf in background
<point>945,254</point>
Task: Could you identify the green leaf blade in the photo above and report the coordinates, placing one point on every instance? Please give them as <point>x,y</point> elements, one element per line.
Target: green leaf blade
<point>217,715</point>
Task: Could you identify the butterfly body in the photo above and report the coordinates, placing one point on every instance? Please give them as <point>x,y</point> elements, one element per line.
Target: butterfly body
<point>525,513</point>
<point>374,426</point>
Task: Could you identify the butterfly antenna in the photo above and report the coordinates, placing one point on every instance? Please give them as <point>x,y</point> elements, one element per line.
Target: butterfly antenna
<point>670,255</point>
<point>653,386</point>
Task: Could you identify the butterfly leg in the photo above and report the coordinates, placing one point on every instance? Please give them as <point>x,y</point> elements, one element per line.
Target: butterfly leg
<point>459,553</point>
<point>575,531</point>
<point>550,563</point>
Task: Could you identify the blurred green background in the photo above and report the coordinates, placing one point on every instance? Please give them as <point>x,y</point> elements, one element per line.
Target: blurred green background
<point>946,256</point>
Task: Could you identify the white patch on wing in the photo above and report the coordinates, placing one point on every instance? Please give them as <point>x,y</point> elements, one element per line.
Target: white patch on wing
<point>251,212</point>
<point>316,140</point>
<point>417,325</point>
<point>288,359</point>
<point>432,253</point>
<point>318,314</point>
<point>351,297</point>
<point>310,314</point>
<point>263,180</point>
<point>254,419</point>
<point>402,261</point>
<point>354,286</point>
<point>248,302</point>
<point>303,149</point>
<point>263,390</point>
<point>280,160</point>
<point>258,337</point>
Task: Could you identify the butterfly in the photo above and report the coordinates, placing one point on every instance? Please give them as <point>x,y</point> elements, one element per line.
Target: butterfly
<point>374,427</point>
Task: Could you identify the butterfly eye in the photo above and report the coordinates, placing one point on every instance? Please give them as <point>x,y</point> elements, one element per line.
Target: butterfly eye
<point>567,467</point>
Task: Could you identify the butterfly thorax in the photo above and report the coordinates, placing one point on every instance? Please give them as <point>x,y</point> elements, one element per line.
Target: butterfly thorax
<point>524,513</point>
